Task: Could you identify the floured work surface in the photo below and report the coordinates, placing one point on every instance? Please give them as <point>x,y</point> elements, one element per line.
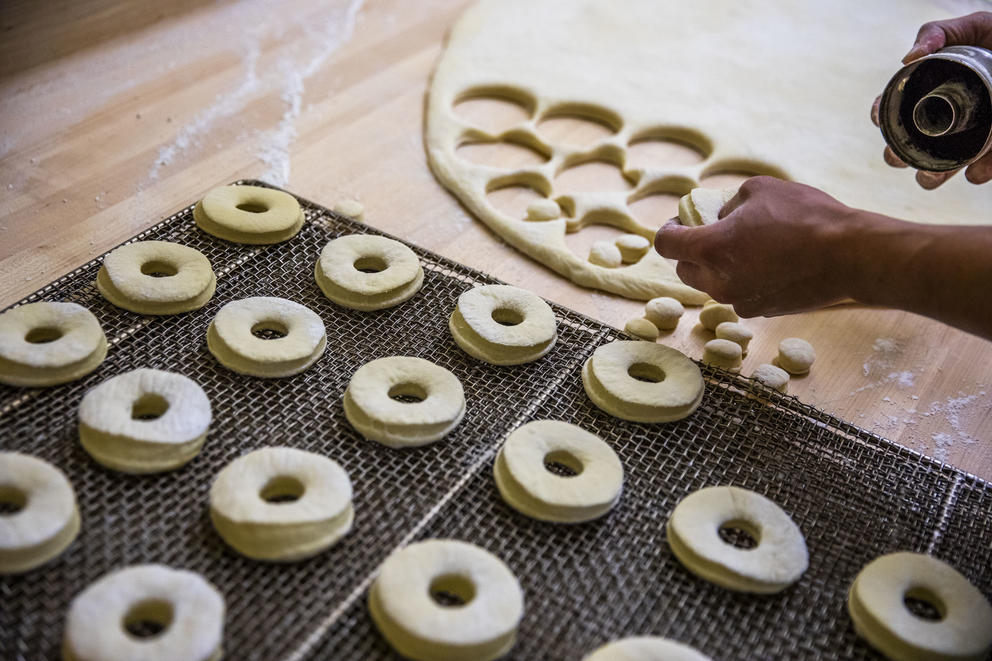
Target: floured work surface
<point>854,495</point>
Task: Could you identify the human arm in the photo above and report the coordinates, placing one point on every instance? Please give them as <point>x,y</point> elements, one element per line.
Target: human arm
<point>783,247</point>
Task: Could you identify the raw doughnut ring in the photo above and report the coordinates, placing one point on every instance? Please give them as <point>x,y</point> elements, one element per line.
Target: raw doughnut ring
<point>156,277</point>
<point>410,617</point>
<point>880,615</point>
<point>46,343</point>
<point>368,272</point>
<point>369,404</point>
<point>645,648</point>
<point>48,520</point>
<point>248,508</point>
<point>776,562</point>
<point>503,325</point>
<point>642,381</point>
<point>231,339</point>
<point>249,214</point>
<point>528,486</point>
<point>115,429</point>
<point>188,608</point>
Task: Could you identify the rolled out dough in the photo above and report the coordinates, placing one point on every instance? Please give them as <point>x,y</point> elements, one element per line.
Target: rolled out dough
<point>759,87</point>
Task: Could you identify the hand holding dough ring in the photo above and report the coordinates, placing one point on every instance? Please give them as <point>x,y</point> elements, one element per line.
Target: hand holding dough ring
<point>371,409</point>
<point>411,619</point>
<point>778,560</point>
<point>231,339</point>
<point>115,429</point>
<point>642,381</point>
<point>249,214</point>
<point>246,511</point>
<point>876,603</point>
<point>156,277</point>
<point>530,488</point>
<point>48,343</point>
<point>645,648</point>
<point>48,520</point>
<point>368,272</point>
<point>188,608</point>
<point>503,325</point>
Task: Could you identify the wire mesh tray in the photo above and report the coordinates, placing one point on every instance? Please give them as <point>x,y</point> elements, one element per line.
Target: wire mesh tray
<point>854,495</point>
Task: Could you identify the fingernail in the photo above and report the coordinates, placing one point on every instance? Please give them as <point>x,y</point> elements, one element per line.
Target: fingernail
<point>914,53</point>
<point>930,180</point>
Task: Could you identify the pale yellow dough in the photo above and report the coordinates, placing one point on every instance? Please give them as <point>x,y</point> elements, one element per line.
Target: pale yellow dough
<point>642,329</point>
<point>186,282</point>
<point>48,520</point>
<point>190,608</point>
<point>632,247</point>
<point>503,325</point>
<point>49,343</point>
<point>645,648</point>
<point>352,209</point>
<point>735,332</point>
<point>714,314</point>
<point>244,514</point>
<point>722,353</point>
<point>664,312</point>
<point>368,272</point>
<point>668,386</point>
<point>701,206</point>
<point>530,488</point>
<point>543,210</point>
<point>249,214</point>
<point>795,355</point>
<point>419,628</point>
<point>605,254</point>
<point>773,377</point>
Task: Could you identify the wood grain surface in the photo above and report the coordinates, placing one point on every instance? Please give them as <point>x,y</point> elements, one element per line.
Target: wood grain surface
<point>112,118</point>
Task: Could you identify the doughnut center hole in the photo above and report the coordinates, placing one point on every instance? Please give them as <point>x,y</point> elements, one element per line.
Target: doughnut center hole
<point>148,619</point>
<point>408,393</point>
<point>924,604</point>
<point>562,463</point>
<point>452,590</point>
<point>740,534</point>
<point>253,206</point>
<point>370,264</point>
<point>12,500</point>
<point>150,406</point>
<point>282,489</point>
<point>646,372</point>
<point>43,335</point>
<point>507,317</point>
<point>269,329</point>
<point>158,269</point>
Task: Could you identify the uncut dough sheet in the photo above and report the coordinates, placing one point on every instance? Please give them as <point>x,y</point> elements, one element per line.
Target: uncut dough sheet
<point>761,87</point>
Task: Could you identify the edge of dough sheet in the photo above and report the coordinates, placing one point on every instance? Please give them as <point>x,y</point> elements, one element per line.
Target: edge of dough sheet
<point>789,90</point>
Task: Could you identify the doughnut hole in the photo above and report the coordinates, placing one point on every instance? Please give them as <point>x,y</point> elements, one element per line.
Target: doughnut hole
<point>740,534</point>
<point>282,489</point>
<point>12,500</point>
<point>452,590</point>
<point>646,372</point>
<point>149,406</point>
<point>562,463</point>
<point>253,206</point>
<point>924,604</point>
<point>159,269</point>
<point>43,335</point>
<point>408,393</point>
<point>269,329</point>
<point>148,619</point>
<point>507,317</point>
<point>370,264</point>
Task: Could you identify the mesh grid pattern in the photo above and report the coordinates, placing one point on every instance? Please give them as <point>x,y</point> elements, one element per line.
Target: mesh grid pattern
<point>854,495</point>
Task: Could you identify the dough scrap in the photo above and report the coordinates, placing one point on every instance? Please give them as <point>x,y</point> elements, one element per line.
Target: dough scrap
<point>503,325</point>
<point>543,210</point>
<point>795,355</point>
<point>722,353</point>
<point>112,429</point>
<point>418,627</point>
<point>246,517</point>
<point>771,376</point>
<point>48,520</point>
<point>249,214</point>
<point>125,278</point>
<point>779,559</point>
<point>368,272</point>
<point>351,209</point>
<point>529,487</point>
<point>49,343</point>
<point>605,254</point>
<point>877,608</point>
<point>664,312</point>
<point>714,314</point>
<point>701,206</point>
<point>642,381</point>
<point>735,332</point>
<point>189,606</point>
<point>645,648</point>
<point>632,247</point>
<point>642,329</point>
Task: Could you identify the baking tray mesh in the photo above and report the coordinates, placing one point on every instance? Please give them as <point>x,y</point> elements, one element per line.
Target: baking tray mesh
<point>854,495</point>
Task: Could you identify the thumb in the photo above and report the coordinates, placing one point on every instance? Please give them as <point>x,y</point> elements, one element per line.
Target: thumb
<point>930,39</point>
<point>676,241</point>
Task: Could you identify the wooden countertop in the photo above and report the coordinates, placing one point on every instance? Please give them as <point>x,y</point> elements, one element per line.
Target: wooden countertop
<point>112,118</point>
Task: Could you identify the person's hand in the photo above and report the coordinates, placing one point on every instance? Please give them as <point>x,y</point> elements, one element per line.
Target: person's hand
<point>971,30</point>
<point>776,250</point>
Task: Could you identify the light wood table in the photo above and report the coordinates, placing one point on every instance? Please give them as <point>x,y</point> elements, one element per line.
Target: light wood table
<point>113,115</point>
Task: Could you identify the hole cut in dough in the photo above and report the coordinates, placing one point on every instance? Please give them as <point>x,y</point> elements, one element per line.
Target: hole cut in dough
<point>501,154</point>
<point>592,176</point>
<point>667,148</point>
<point>494,110</point>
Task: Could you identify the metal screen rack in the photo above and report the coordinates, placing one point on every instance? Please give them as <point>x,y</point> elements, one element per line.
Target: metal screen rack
<point>854,495</point>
